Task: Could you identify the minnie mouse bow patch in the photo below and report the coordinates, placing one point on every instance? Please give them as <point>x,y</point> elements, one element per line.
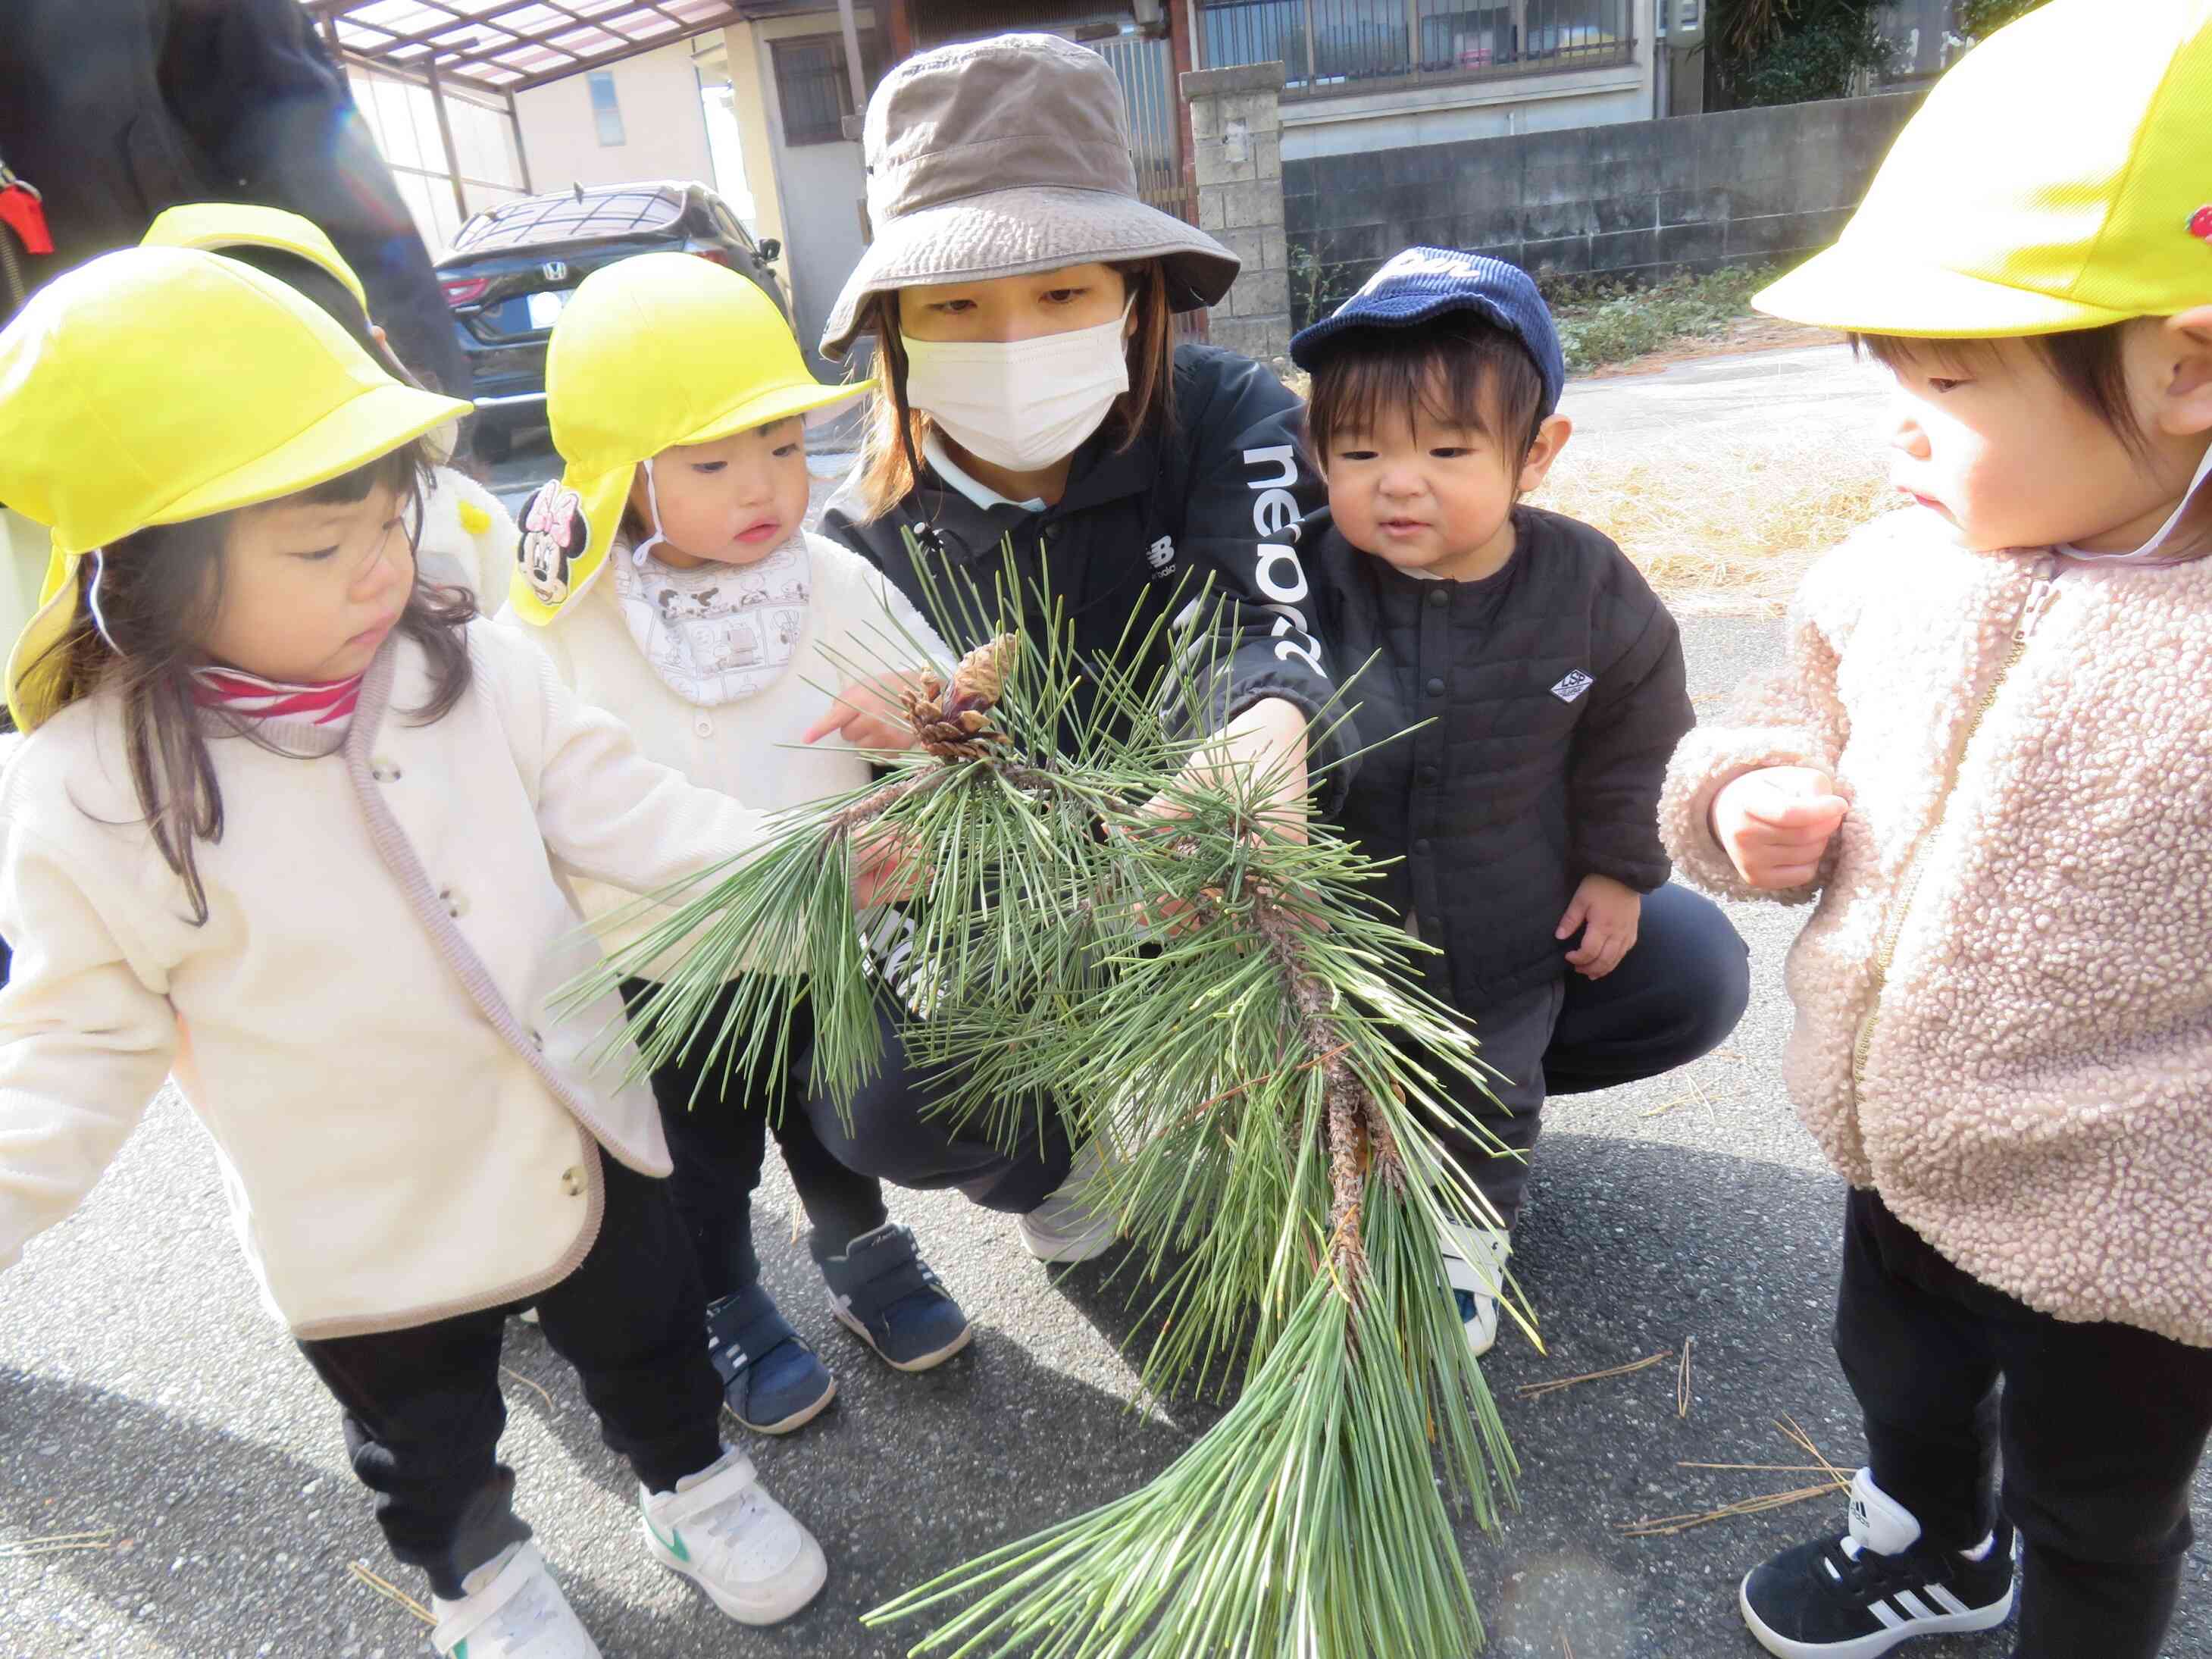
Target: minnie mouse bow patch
<point>555,536</point>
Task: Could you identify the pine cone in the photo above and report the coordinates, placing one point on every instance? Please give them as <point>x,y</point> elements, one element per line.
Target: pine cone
<point>983,673</point>
<point>953,722</point>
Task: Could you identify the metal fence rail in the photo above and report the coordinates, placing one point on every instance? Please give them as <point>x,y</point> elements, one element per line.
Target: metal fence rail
<point>1331,47</point>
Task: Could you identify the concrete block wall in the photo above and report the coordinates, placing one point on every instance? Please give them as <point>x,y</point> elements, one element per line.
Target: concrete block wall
<point>1637,198</point>
<point>1238,155</point>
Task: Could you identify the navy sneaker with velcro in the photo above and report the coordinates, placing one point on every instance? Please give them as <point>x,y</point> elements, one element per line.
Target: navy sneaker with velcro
<point>884,1293</point>
<point>772,1381</point>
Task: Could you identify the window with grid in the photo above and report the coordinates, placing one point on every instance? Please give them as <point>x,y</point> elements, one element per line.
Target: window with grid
<point>813,87</point>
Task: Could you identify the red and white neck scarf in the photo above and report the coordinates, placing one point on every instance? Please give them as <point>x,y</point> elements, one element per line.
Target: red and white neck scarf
<point>250,697</point>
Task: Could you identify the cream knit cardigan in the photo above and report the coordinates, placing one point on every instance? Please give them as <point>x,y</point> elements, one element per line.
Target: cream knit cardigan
<point>364,1024</point>
<point>2003,1002</point>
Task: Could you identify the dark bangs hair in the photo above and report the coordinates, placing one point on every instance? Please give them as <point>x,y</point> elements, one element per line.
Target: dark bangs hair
<point>1460,370</point>
<point>2090,363</point>
<point>158,593</point>
<point>890,449</point>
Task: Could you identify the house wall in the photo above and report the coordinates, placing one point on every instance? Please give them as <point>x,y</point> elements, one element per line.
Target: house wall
<point>1641,198</point>
<point>1370,121</point>
<point>817,190</point>
<point>664,128</point>
<point>742,43</point>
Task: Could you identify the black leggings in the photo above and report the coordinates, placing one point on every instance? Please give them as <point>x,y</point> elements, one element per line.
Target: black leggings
<point>423,1408</point>
<point>719,1144</point>
<point>2101,1427</point>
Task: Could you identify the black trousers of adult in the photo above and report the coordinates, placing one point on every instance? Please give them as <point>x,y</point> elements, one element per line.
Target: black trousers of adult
<point>422,1411</point>
<point>717,1127</point>
<point>1677,994</point>
<point>2100,1426</point>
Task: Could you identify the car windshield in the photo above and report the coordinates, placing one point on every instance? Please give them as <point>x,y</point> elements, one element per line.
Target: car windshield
<point>622,211</point>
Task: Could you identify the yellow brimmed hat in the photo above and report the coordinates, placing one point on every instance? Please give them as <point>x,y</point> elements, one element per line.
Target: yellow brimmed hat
<point>214,225</point>
<point>654,352</point>
<point>156,385</point>
<point>2059,178</point>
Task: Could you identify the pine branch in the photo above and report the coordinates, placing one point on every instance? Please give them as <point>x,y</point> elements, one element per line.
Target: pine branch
<point>1111,924</point>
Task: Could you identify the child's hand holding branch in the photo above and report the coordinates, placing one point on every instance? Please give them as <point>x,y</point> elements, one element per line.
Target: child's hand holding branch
<point>1775,823</point>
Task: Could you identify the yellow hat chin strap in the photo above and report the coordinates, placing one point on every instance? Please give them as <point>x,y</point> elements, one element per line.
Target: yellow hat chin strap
<point>98,555</point>
<point>637,555</point>
<point>2148,552</point>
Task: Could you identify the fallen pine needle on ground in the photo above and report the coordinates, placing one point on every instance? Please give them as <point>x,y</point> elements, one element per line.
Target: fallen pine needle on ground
<point>534,1387</point>
<point>1682,1386</point>
<point>1531,1390</point>
<point>391,1592</point>
<point>102,1538</point>
<point>1666,1526</point>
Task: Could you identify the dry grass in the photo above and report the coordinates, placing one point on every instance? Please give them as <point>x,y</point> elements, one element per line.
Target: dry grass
<point>1727,522</point>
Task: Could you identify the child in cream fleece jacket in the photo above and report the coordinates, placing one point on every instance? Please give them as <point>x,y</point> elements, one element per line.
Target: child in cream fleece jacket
<point>1989,762</point>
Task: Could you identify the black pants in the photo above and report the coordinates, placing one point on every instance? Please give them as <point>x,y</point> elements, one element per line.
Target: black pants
<point>2101,1427</point>
<point>1676,995</point>
<point>1672,997</point>
<point>423,1405</point>
<point>717,1137</point>
<point>898,1134</point>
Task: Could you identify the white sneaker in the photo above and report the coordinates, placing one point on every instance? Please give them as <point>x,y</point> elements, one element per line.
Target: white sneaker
<point>1065,1227</point>
<point>513,1610</point>
<point>1474,1270</point>
<point>721,1528</point>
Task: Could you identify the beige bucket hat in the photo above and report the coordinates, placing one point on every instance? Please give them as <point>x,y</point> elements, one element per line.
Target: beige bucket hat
<point>1001,157</point>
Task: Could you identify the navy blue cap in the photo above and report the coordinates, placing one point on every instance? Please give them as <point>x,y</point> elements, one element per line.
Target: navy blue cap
<point>1427,281</point>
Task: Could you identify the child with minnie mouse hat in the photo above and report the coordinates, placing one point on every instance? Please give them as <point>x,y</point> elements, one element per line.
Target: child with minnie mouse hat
<point>668,578</point>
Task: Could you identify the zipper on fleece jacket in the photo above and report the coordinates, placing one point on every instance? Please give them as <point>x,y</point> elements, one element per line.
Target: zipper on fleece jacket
<point>2040,592</point>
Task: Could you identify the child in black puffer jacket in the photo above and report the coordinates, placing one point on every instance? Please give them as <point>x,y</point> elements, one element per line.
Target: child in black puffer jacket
<point>1522,819</point>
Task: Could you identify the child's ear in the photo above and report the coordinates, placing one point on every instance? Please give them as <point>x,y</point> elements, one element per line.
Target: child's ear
<point>2185,404</point>
<point>1550,438</point>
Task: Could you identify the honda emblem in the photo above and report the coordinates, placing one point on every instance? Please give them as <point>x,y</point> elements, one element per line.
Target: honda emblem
<point>556,270</point>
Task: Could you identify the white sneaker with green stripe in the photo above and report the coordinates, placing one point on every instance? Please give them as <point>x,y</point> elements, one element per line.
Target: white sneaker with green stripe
<point>513,1610</point>
<point>720,1528</point>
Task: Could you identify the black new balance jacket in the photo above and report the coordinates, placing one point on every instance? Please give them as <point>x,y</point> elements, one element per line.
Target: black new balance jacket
<point>1555,695</point>
<point>1221,499</point>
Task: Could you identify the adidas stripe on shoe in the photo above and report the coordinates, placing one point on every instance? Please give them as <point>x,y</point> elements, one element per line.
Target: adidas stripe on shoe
<point>1858,1596</point>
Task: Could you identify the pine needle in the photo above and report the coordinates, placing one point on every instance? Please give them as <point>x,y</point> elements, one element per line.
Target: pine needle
<point>391,1592</point>
<point>1682,1385</point>
<point>1666,1526</point>
<point>1535,1390</point>
<point>1766,1468</point>
<point>535,1388</point>
<point>1789,1426</point>
<point>101,1538</point>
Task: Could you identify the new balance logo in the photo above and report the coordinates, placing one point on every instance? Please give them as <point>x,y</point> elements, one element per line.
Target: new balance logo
<point>1161,554</point>
<point>1573,686</point>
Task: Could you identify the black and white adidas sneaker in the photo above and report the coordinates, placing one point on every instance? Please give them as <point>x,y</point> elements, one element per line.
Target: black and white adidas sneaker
<point>1858,1596</point>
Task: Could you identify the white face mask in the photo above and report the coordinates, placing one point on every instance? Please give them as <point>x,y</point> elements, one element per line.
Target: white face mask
<point>1021,405</point>
<point>2148,552</point>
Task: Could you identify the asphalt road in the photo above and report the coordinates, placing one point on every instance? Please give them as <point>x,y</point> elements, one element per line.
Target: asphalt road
<point>143,1389</point>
